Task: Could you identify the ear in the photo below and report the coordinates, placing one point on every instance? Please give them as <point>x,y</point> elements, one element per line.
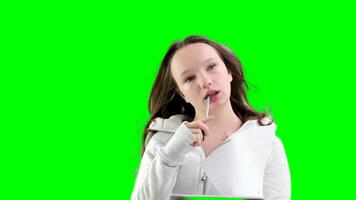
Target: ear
<point>181,94</point>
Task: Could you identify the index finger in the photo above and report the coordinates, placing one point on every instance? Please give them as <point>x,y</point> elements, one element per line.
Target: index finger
<point>206,119</point>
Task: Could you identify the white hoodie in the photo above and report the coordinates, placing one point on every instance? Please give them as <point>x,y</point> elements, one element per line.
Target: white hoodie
<point>171,165</point>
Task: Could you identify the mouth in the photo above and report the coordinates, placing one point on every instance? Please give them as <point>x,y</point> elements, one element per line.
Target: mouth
<point>211,93</point>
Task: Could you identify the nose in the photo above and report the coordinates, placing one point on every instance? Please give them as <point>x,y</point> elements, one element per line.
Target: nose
<point>205,82</point>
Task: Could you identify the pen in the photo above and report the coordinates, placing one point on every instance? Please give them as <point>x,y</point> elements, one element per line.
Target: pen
<point>207,106</point>
<point>207,103</point>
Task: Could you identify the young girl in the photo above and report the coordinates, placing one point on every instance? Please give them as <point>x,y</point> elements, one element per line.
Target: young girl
<point>179,135</point>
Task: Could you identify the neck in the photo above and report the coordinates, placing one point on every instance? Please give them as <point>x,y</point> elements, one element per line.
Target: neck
<point>225,120</point>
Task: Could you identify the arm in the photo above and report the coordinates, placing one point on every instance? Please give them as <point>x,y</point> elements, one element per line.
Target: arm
<point>160,163</point>
<point>277,181</point>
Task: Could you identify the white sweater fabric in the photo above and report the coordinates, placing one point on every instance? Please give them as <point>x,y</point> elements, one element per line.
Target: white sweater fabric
<point>171,165</point>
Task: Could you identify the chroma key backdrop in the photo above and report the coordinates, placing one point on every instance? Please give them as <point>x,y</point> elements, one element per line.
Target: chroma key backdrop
<point>76,77</point>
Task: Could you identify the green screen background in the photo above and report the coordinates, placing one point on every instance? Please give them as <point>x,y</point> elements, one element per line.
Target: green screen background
<point>76,77</point>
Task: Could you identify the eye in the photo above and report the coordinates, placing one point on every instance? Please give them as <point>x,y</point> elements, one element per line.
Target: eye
<point>189,78</point>
<point>211,66</point>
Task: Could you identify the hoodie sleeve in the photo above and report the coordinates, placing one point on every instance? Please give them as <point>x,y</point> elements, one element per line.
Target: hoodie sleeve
<point>160,163</point>
<point>277,181</point>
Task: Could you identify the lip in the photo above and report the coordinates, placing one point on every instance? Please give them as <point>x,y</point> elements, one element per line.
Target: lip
<point>210,92</point>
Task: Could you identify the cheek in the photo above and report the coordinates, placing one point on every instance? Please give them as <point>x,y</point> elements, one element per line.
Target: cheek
<point>190,87</point>
<point>224,84</point>
<point>185,88</point>
<point>191,91</point>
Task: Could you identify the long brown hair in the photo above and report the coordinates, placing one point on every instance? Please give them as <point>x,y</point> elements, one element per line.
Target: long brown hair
<point>164,100</point>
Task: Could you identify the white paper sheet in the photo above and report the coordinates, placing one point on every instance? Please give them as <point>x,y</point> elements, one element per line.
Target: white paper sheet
<point>236,168</point>
<point>225,196</point>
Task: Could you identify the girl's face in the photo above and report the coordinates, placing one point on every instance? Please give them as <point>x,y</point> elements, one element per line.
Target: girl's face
<point>198,72</point>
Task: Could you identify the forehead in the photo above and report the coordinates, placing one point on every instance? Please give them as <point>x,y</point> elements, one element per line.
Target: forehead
<point>192,55</point>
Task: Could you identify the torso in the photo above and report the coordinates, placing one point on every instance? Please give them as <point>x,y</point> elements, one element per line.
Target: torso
<point>212,141</point>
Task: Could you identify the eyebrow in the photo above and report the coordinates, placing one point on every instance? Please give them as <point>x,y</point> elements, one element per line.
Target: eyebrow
<point>203,63</point>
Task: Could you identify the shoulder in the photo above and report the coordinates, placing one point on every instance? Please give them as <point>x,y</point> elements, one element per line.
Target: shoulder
<point>277,142</point>
<point>277,155</point>
<point>277,176</point>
